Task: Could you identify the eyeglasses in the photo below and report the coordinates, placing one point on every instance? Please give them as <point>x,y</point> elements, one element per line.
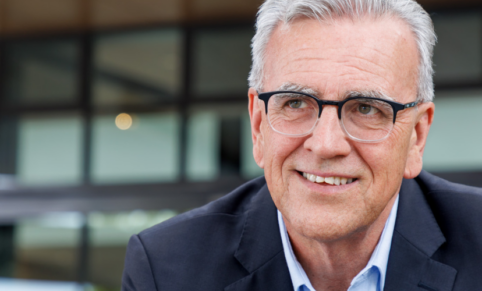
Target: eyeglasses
<point>364,119</point>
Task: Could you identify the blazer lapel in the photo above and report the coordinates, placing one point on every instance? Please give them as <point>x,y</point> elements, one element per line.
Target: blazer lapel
<point>416,238</point>
<point>260,250</point>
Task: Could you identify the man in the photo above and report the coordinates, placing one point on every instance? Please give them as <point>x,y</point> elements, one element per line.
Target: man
<point>340,108</point>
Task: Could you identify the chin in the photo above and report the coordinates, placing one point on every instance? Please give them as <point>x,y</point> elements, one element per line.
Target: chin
<point>330,228</point>
<point>328,233</point>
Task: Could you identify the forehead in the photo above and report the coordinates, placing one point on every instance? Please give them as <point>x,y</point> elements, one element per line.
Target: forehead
<point>344,55</point>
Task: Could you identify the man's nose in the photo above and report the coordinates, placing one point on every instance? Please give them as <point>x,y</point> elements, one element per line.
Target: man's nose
<point>328,139</point>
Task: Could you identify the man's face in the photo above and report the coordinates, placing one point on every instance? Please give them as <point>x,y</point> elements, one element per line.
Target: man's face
<point>334,60</point>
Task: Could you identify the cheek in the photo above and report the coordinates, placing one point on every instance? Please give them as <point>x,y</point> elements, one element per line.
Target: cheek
<point>278,150</point>
<point>399,142</point>
<point>279,153</point>
<point>387,159</point>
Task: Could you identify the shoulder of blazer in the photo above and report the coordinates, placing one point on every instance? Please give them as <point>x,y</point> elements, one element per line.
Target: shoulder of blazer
<point>457,208</point>
<point>197,249</point>
<point>458,211</point>
<point>235,203</point>
<point>437,237</point>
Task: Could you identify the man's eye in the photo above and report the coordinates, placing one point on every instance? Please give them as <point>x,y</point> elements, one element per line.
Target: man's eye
<point>296,104</point>
<point>367,109</point>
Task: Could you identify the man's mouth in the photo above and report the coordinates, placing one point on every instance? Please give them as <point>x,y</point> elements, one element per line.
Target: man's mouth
<point>328,180</point>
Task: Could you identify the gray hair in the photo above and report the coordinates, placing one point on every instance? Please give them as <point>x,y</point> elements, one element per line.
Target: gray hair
<point>274,12</point>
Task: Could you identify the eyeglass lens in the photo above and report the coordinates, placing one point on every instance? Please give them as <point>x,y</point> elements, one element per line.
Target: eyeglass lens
<point>363,119</point>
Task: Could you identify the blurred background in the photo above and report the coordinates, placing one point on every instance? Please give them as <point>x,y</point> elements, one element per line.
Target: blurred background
<point>116,115</point>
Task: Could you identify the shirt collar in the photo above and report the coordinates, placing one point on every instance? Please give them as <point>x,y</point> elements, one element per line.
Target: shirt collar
<point>379,258</point>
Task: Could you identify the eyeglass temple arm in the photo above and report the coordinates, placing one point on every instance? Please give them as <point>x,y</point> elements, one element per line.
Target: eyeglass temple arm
<point>398,107</point>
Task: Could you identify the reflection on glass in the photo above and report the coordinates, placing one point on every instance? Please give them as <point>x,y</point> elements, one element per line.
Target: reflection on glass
<point>147,152</point>
<point>123,121</point>
<point>230,143</point>
<point>47,246</point>
<point>41,72</point>
<point>454,140</point>
<point>109,234</point>
<point>458,54</point>
<point>222,59</point>
<point>109,229</point>
<point>49,150</point>
<point>203,146</point>
<point>140,67</point>
<point>249,168</point>
<point>38,285</point>
<point>214,141</point>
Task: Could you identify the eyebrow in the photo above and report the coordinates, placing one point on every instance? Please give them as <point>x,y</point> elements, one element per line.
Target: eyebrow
<point>289,86</point>
<point>369,93</point>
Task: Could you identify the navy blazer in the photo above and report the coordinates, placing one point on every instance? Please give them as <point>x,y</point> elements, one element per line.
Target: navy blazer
<point>234,243</point>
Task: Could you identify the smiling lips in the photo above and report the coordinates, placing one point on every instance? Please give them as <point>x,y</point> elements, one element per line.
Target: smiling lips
<point>328,180</point>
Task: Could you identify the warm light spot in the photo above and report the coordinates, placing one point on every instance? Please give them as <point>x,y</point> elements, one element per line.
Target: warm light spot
<point>123,121</point>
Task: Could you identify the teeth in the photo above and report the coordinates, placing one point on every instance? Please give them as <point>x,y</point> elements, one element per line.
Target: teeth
<point>329,180</point>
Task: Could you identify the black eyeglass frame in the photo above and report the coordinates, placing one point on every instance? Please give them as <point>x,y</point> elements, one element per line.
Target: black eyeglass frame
<point>395,105</point>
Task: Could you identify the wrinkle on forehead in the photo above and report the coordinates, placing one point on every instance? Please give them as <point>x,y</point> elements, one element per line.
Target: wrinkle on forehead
<point>367,63</point>
<point>359,61</point>
<point>366,71</point>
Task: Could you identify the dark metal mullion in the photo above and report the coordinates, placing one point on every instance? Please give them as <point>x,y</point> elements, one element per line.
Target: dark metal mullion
<point>7,230</point>
<point>85,97</point>
<point>185,97</point>
<point>2,74</point>
<point>83,251</point>
<point>85,92</point>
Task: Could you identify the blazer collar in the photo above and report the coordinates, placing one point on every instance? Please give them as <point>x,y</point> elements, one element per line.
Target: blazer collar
<point>260,250</point>
<point>416,238</point>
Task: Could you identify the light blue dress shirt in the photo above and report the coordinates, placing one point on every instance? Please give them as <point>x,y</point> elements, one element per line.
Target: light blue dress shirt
<point>371,278</point>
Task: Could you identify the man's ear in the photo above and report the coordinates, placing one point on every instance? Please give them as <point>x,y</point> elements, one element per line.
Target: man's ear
<point>418,140</point>
<point>256,117</point>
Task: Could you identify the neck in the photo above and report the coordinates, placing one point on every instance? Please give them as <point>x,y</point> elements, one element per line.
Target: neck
<point>332,265</point>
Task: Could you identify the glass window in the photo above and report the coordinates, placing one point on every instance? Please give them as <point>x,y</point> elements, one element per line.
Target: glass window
<point>128,148</point>
<point>458,54</point>
<point>41,72</point>
<point>49,150</point>
<point>222,59</point>
<point>135,68</point>
<point>109,229</point>
<point>109,234</point>
<point>214,141</point>
<point>249,168</point>
<point>38,285</point>
<point>454,140</point>
<point>230,145</point>
<point>46,246</point>
<point>203,146</point>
